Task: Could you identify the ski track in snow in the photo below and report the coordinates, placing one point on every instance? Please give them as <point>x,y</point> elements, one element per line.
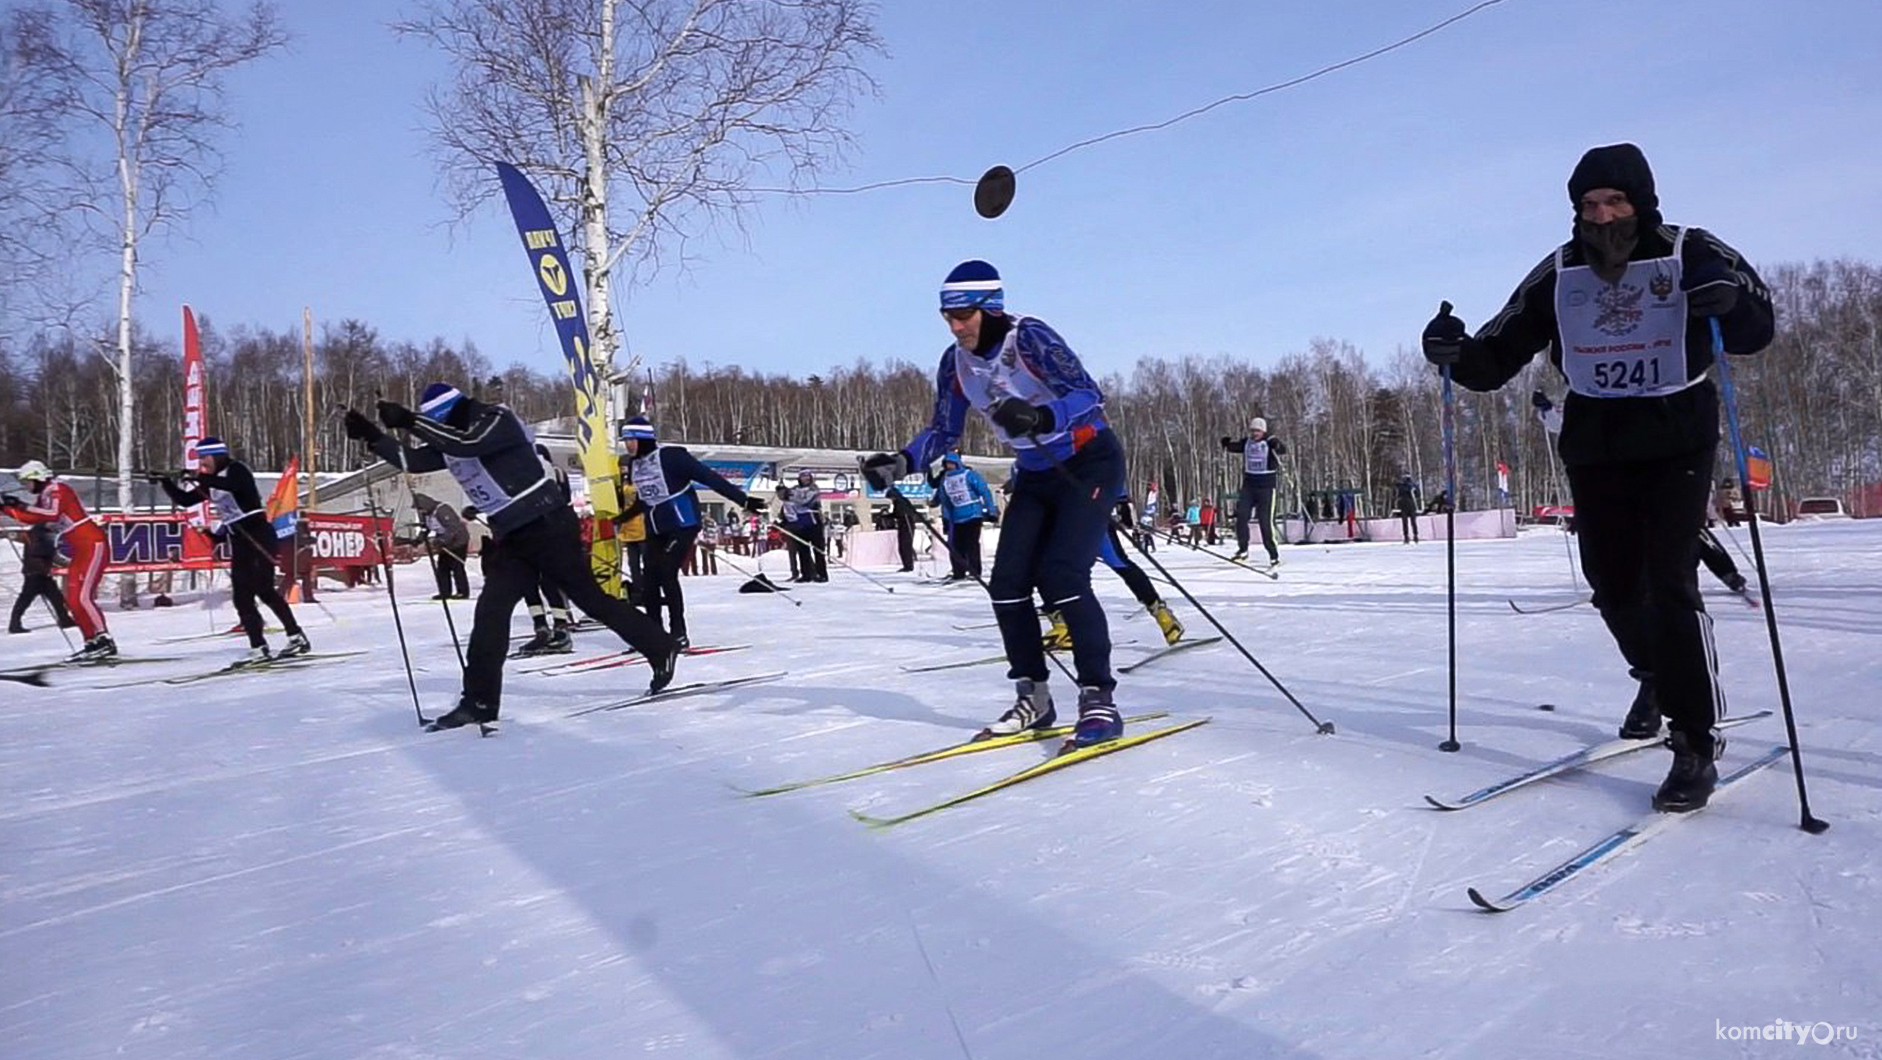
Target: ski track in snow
<point>283,866</point>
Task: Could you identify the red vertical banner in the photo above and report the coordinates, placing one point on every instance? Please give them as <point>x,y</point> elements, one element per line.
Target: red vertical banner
<point>195,425</point>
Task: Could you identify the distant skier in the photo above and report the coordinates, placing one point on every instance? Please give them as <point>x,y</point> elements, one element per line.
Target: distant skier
<point>56,504</point>
<point>803,517</point>
<point>1405,501</point>
<point>1023,377</point>
<point>448,541</point>
<point>1624,309</point>
<point>489,452</point>
<point>241,520</point>
<point>664,476</point>
<point>1261,466</point>
<point>37,559</point>
<point>966,505</point>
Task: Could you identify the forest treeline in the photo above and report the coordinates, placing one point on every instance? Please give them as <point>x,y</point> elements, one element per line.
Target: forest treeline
<point>1813,402</point>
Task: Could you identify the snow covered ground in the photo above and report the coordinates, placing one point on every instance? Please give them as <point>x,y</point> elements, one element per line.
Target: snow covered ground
<point>282,866</point>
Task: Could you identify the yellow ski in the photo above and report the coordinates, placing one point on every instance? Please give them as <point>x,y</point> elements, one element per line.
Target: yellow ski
<point>1069,758</point>
<point>966,747</point>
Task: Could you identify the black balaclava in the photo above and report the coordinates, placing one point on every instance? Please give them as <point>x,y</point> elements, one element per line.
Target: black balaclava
<point>993,329</point>
<point>1624,168</point>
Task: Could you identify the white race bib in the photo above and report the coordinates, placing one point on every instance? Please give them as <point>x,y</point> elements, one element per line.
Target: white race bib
<point>1255,457</point>
<point>960,493</point>
<point>650,480</point>
<point>1627,338</point>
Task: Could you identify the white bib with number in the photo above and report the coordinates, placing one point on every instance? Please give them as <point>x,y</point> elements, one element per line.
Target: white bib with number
<point>1255,457</point>
<point>1623,339</point>
<point>960,491</point>
<point>650,480</point>
<point>986,380</point>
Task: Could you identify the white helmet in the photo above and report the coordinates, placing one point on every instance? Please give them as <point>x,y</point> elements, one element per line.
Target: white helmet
<point>1258,424</point>
<point>33,471</point>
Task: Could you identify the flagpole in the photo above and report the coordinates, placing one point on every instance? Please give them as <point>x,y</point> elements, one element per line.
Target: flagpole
<point>307,378</point>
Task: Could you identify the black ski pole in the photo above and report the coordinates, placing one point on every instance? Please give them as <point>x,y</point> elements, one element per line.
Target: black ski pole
<point>1450,742</point>
<point>896,499</point>
<point>1322,727</point>
<point>827,558</point>
<point>749,576</point>
<point>1806,820</point>
<point>1213,554</point>
<point>1450,547</point>
<point>449,623</point>
<point>47,600</point>
<point>1325,728</point>
<point>392,592</point>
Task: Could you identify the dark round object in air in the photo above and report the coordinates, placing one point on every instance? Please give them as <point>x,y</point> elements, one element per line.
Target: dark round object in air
<point>994,193</point>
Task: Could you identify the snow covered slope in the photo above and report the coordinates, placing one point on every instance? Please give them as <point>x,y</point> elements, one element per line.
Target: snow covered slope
<point>282,866</point>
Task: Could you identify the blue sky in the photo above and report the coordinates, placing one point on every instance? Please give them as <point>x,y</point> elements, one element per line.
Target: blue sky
<point>1343,208</point>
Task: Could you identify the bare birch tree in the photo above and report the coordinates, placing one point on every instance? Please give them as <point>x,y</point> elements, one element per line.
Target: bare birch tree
<point>140,99</point>
<point>645,120</point>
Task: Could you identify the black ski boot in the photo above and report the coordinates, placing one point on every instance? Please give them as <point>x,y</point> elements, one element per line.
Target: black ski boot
<point>538,644</point>
<point>1643,718</point>
<point>467,712</point>
<point>1688,785</point>
<point>560,643</point>
<point>663,666</point>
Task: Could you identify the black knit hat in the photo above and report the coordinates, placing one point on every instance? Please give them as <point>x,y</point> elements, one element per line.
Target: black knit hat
<point>1619,166</point>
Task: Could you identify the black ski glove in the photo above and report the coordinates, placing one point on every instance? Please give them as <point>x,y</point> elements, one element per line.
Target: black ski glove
<point>756,504</point>
<point>1711,289</point>
<point>1444,337</point>
<point>396,416</point>
<point>883,470</point>
<point>361,429</point>
<point>1017,416</point>
<point>10,501</point>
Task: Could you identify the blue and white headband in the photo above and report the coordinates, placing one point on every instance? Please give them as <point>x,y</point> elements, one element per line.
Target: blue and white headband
<point>438,405</point>
<point>973,294</point>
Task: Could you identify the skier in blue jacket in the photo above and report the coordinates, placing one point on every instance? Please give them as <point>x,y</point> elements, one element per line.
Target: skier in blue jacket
<point>966,503</point>
<point>1023,377</point>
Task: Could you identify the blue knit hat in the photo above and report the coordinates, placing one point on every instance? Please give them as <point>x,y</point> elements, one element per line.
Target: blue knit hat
<point>212,447</point>
<point>437,400</point>
<point>637,427</point>
<point>973,285</point>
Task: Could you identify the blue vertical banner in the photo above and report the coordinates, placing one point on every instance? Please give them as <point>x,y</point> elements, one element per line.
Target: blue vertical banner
<point>549,261</point>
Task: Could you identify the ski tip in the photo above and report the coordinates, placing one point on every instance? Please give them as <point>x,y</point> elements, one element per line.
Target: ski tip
<point>1437,805</point>
<point>1485,904</point>
<point>875,824</point>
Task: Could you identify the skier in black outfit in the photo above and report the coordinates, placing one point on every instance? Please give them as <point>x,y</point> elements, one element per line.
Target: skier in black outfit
<point>1405,500</point>
<point>229,486</point>
<point>1261,465</point>
<point>488,451</point>
<point>664,476</point>
<point>1623,309</point>
<point>36,563</point>
<point>556,639</point>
